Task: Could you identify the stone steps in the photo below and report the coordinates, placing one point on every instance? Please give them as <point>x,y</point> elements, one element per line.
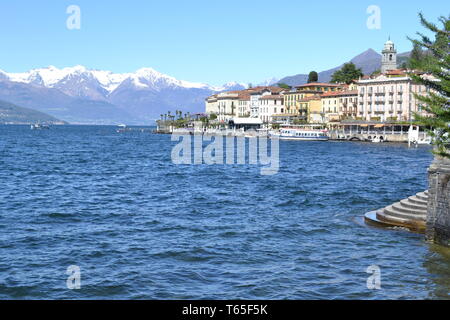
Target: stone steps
<point>422,196</point>
<point>410,213</point>
<point>399,221</point>
<point>409,204</point>
<point>399,207</point>
<point>416,200</point>
<point>392,211</point>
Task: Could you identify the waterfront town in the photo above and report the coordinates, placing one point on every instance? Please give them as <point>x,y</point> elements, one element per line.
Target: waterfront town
<point>379,102</point>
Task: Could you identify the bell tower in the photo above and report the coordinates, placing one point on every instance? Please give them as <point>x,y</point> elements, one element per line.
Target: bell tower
<point>389,59</point>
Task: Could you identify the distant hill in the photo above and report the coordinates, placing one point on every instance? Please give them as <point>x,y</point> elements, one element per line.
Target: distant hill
<point>369,61</point>
<point>12,114</point>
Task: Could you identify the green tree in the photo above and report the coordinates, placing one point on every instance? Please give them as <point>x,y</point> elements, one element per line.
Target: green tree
<point>347,74</point>
<point>437,102</point>
<point>284,86</point>
<point>416,58</point>
<point>376,73</point>
<point>313,77</point>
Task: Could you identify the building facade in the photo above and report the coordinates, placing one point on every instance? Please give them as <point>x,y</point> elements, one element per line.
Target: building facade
<point>389,97</point>
<point>227,105</point>
<point>270,105</point>
<point>340,105</point>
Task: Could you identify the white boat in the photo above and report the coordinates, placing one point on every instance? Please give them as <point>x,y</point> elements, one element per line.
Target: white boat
<point>302,134</point>
<point>377,139</point>
<point>122,128</point>
<point>39,126</point>
<point>414,136</point>
<point>426,140</point>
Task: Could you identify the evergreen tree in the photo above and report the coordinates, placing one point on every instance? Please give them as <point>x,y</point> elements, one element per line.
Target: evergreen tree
<point>313,77</point>
<point>416,57</point>
<point>347,74</point>
<point>437,64</point>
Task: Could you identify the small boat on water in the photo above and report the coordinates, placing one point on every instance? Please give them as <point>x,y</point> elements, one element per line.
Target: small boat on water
<point>377,139</point>
<point>39,126</point>
<point>302,134</point>
<point>425,140</point>
<point>122,128</point>
<point>416,138</point>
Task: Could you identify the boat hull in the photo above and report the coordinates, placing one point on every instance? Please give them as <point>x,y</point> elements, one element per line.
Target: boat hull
<point>303,138</point>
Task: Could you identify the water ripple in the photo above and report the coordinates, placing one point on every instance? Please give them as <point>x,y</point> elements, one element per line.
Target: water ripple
<point>141,227</point>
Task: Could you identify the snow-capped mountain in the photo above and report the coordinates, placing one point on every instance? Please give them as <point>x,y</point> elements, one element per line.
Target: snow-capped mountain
<point>52,77</point>
<point>142,95</point>
<point>268,82</point>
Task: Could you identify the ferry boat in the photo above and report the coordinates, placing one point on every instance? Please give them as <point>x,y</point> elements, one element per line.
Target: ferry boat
<point>302,134</point>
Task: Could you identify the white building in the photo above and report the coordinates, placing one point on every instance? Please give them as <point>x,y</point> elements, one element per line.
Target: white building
<point>270,105</point>
<point>389,97</point>
<point>227,105</point>
<point>244,105</point>
<point>256,95</point>
<point>212,105</point>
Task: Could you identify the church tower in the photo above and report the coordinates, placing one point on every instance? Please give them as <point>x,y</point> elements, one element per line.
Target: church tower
<point>389,59</point>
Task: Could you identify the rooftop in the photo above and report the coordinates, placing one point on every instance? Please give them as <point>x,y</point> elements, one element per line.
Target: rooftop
<point>272,97</point>
<point>339,93</point>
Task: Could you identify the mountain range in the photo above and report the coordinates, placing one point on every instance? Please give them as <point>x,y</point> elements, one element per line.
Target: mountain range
<point>81,95</point>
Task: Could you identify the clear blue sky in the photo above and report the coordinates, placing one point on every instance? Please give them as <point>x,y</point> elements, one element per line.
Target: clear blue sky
<point>207,41</point>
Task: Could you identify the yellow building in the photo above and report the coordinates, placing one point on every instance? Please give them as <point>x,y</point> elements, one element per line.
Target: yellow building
<point>318,88</point>
<point>309,106</point>
<point>291,99</point>
<point>340,105</point>
<point>312,107</point>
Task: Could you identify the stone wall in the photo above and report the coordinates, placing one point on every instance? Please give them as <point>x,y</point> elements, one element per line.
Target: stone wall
<point>438,216</point>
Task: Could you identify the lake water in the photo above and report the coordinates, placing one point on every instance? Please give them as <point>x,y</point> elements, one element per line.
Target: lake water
<point>140,227</point>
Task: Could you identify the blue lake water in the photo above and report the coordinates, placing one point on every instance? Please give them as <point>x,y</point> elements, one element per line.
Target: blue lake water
<point>140,227</point>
